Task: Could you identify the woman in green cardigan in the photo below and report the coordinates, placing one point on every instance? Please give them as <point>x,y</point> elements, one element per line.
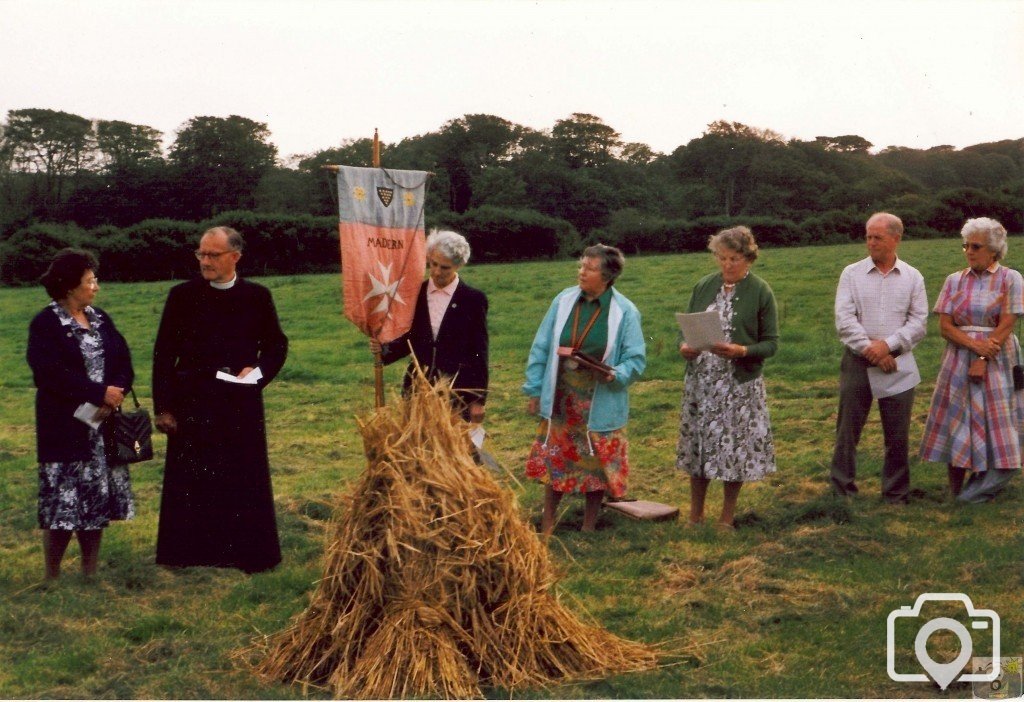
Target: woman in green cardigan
<point>724,432</point>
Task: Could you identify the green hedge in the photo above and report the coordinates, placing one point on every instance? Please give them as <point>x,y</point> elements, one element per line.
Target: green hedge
<point>156,249</point>
<point>275,244</point>
<point>635,232</point>
<point>161,249</point>
<point>505,234</point>
<point>26,254</point>
<point>283,244</point>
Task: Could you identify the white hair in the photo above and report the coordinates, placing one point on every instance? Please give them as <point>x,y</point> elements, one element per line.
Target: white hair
<point>893,224</point>
<point>449,244</point>
<point>995,234</point>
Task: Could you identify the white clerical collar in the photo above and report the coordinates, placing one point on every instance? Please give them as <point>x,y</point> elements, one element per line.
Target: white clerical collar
<point>224,286</point>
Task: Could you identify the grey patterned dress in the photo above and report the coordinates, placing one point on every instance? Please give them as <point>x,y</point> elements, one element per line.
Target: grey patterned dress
<point>84,495</point>
<point>724,432</point>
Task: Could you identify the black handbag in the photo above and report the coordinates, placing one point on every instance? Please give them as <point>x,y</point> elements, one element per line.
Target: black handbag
<point>129,437</point>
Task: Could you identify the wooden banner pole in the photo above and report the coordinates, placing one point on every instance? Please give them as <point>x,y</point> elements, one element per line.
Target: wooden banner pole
<point>378,363</point>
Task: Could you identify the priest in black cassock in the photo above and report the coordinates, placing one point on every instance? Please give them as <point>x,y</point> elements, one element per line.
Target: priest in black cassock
<point>217,507</point>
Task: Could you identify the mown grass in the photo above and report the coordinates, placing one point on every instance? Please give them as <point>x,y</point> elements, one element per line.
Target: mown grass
<point>794,604</point>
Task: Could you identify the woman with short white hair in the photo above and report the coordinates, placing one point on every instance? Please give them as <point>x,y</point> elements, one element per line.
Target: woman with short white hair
<point>449,327</point>
<point>450,245</point>
<point>976,421</point>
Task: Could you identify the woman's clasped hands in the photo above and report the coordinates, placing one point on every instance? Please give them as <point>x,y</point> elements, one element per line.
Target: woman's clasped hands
<point>722,348</point>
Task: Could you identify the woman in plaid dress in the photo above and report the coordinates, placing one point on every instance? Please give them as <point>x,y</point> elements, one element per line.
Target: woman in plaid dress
<point>976,421</point>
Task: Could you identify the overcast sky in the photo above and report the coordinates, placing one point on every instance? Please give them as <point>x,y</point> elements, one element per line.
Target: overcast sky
<point>908,73</point>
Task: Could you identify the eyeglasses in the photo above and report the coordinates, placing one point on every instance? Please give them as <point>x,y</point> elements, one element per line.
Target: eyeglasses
<point>212,255</point>
<point>973,247</point>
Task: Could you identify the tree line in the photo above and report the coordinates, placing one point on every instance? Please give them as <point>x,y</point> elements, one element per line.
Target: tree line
<point>515,191</point>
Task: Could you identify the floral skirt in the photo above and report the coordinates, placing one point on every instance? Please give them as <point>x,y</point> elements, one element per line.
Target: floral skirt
<point>84,495</point>
<point>724,429</point>
<point>568,457</point>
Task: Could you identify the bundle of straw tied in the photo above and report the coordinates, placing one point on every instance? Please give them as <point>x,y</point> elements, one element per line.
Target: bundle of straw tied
<point>434,585</point>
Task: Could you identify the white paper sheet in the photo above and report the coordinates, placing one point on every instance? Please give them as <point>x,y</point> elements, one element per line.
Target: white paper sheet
<point>477,434</point>
<point>701,330</point>
<point>905,376</point>
<point>86,412</point>
<point>254,375</point>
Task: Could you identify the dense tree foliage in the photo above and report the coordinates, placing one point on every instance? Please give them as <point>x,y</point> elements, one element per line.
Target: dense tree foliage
<point>517,192</point>
<point>219,162</point>
<point>125,147</point>
<point>50,148</point>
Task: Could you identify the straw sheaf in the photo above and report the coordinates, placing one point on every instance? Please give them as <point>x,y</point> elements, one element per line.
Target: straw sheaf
<point>434,585</point>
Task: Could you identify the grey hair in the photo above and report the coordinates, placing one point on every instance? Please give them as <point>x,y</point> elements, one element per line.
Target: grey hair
<point>739,239</point>
<point>449,244</point>
<point>235,240</point>
<point>612,261</point>
<point>893,224</point>
<point>994,232</point>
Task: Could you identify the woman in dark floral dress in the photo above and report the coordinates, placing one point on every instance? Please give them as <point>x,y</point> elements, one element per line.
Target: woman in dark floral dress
<point>581,444</point>
<point>82,367</point>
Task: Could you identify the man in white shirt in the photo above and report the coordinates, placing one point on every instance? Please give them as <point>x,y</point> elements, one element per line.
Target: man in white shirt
<point>881,314</point>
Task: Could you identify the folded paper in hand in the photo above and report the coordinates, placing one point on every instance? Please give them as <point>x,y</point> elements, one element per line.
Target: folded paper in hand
<point>251,379</point>
<point>477,434</point>
<point>86,412</point>
<point>905,376</point>
<point>701,330</point>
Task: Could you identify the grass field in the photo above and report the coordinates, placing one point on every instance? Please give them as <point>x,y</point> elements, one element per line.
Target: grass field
<point>793,604</point>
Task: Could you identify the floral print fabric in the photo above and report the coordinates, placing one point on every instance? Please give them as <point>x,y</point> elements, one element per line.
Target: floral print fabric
<point>568,457</point>
<point>84,495</point>
<point>724,431</point>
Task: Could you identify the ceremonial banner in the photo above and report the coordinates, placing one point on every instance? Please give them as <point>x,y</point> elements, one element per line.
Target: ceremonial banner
<point>382,247</point>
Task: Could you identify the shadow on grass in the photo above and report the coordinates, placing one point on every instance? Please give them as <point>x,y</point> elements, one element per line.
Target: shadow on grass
<point>825,509</point>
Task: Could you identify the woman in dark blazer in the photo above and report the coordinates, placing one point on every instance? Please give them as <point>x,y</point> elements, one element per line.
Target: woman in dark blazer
<point>82,367</point>
<point>449,328</point>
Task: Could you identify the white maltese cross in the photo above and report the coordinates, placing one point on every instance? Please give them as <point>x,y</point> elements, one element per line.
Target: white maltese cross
<point>384,288</point>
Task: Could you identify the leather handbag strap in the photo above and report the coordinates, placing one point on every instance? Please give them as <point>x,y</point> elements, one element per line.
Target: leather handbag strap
<point>134,399</point>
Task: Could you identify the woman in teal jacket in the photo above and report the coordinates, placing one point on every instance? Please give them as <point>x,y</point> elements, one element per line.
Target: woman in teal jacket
<point>725,433</point>
<point>581,444</point>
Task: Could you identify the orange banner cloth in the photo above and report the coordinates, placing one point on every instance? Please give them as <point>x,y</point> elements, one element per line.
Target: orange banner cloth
<point>382,247</point>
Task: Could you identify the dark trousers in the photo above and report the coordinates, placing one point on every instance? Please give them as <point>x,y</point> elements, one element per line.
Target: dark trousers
<point>854,405</point>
